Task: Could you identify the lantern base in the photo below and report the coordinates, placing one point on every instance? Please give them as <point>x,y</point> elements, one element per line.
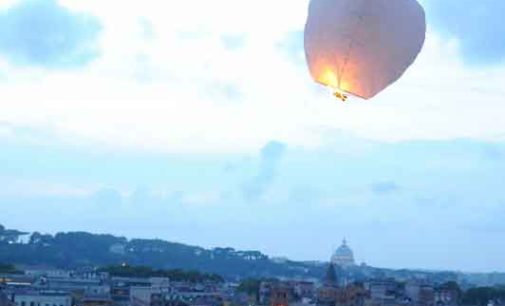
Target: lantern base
<point>340,96</point>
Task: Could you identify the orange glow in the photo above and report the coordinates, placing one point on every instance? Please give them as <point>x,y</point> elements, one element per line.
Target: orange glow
<point>329,78</point>
<point>345,86</point>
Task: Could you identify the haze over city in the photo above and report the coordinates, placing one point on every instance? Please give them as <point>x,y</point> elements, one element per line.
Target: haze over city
<point>196,122</point>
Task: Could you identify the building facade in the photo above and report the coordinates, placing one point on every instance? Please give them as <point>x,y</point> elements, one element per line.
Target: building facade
<point>343,256</point>
<point>42,298</point>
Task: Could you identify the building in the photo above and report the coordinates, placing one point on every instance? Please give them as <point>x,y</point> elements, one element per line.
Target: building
<point>427,296</point>
<point>148,296</point>
<point>48,273</point>
<point>304,290</point>
<point>343,256</point>
<point>384,290</point>
<point>79,286</point>
<point>41,298</point>
<point>280,295</point>
<point>16,280</point>
<point>351,295</point>
<point>161,292</point>
<point>332,292</point>
<point>120,288</point>
<point>327,295</point>
<point>95,301</point>
<point>420,293</point>
<point>448,295</point>
<point>4,301</point>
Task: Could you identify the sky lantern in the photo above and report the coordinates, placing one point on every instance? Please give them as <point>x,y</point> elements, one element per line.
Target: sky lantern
<point>360,47</point>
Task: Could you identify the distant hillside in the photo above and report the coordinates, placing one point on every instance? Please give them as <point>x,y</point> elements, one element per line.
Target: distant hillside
<point>78,249</point>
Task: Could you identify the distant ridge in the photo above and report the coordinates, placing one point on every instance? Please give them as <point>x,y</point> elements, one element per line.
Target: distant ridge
<point>81,249</point>
<point>74,250</point>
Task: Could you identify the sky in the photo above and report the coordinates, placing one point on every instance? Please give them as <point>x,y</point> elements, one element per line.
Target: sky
<point>196,121</point>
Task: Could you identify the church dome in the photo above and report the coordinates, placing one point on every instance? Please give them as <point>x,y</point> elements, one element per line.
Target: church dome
<point>343,256</point>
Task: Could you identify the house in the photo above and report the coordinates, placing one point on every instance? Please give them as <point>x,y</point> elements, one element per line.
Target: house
<point>40,298</point>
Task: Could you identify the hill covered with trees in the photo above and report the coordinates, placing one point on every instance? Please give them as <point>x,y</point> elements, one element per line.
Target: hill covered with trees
<point>75,250</point>
<point>78,249</point>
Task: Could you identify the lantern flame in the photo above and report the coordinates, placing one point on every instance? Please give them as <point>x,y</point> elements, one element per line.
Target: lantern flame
<point>338,87</point>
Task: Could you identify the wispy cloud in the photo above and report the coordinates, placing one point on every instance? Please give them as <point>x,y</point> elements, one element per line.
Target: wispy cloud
<point>234,41</point>
<point>384,188</point>
<point>270,157</point>
<point>325,193</point>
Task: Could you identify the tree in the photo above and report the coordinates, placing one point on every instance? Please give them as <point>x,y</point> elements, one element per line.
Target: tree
<point>330,278</point>
<point>251,287</point>
<point>10,236</point>
<point>8,269</point>
<point>174,275</point>
<point>481,296</point>
<point>41,239</point>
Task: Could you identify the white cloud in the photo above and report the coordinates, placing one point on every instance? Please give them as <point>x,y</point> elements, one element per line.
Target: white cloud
<point>6,4</point>
<point>35,188</point>
<point>166,93</point>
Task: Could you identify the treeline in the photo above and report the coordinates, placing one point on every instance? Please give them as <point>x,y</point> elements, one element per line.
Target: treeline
<point>79,249</point>
<point>481,296</point>
<point>251,286</point>
<point>478,296</point>
<point>9,269</point>
<point>173,275</point>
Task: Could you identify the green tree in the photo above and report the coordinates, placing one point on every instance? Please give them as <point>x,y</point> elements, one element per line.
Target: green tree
<point>330,277</point>
<point>41,239</point>
<point>8,236</point>
<point>175,275</point>
<point>250,286</point>
<point>9,269</point>
<point>481,296</point>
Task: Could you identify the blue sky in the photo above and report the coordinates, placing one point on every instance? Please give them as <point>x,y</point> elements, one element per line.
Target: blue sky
<point>43,33</point>
<point>204,127</point>
<point>478,25</point>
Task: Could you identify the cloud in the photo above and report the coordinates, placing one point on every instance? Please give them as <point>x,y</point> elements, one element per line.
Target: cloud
<point>292,44</point>
<point>107,198</point>
<point>234,41</point>
<point>147,198</point>
<point>45,34</point>
<point>156,85</point>
<point>300,192</point>
<point>147,28</point>
<point>305,195</point>
<point>384,188</point>
<point>494,152</point>
<point>270,157</point>
<point>225,92</point>
<point>478,26</point>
